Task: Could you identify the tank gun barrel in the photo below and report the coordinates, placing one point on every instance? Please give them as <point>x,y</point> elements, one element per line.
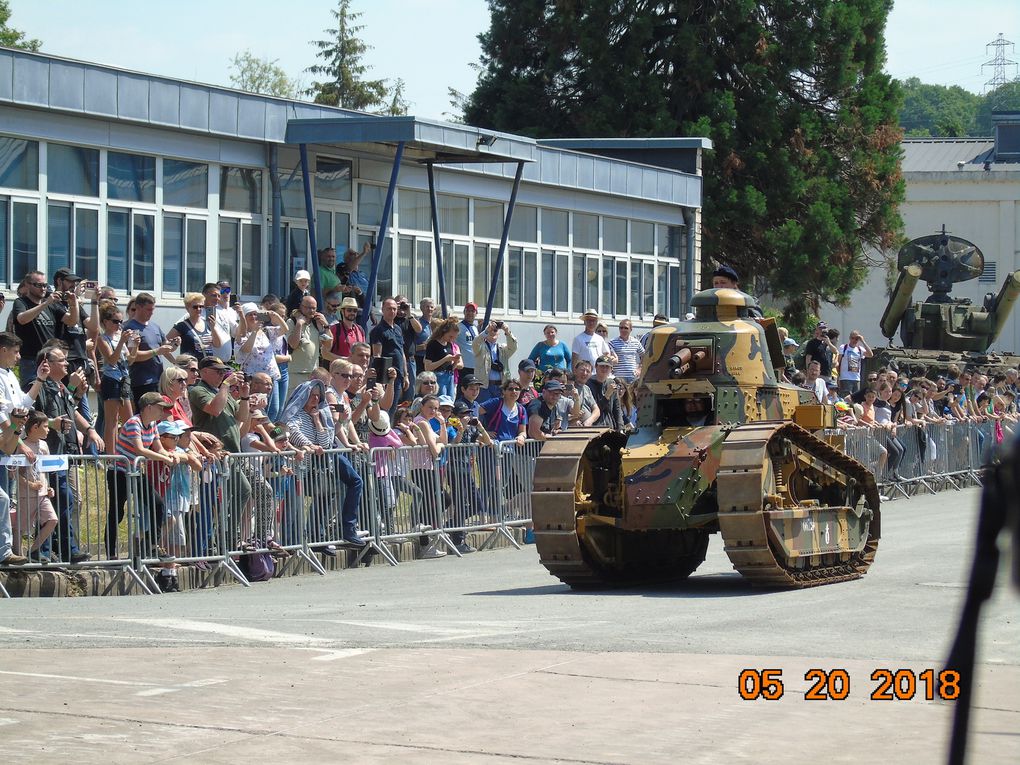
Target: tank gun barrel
<point>1003,304</point>
<point>900,299</point>
<point>681,362</point>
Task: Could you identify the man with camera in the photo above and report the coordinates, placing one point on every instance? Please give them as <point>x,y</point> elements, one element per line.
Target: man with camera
<point>543,412</point>
<point>36,320</point>
<point>492,358</point>
<point>387,338</point>
<point>307,330</point>
<point>411,328</point>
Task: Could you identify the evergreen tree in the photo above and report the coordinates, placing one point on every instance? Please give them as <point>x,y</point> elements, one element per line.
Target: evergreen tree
<point>11,37</point>
<point>937,110</point>
<point>804,173</point>
<point>343,84</point>
<point>261,75</point>
<point>398,104</point>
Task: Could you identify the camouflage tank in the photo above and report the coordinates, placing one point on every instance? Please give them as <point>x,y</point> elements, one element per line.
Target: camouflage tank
<point>722,446</point>
<point>943,330</point>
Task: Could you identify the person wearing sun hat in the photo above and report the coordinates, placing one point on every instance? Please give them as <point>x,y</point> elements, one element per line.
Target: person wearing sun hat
<point>589,345</point>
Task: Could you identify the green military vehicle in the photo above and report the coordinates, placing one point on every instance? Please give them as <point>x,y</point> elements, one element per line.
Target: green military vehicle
<point>722,446</point>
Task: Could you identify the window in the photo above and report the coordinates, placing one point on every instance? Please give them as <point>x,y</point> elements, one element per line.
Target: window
<point>662,287</point>
<point>608,286</point>
<point>586,231</point>
<point>524,227</point>
<point>292,193</point>
<point>562,282</point>
<point>455,271</point>
<point>72,239</point>
<point>514,274</point>
<point>614,234</point>
<point>674,292</point>
<point>130,177</point>
<point>621,288</point>
<point>194,255</point>
<point>415,210</point>
<point>555,227</point>
<point>530,280</point>
<point>488,219</point>
<point>384,276</point>
<point>72,170</point>
<point>333,179</point>
<point>183,254</point>
<point>485,265</point>
<point>143,255</point>
<point>240,256</point>
<point>641,241</point>
<point>19,164</point>
<point>130,239</point>
<point>332,230</point>
<point>185,184</point>
<point>422,270</point>
<point>241,190</point>
<point>453,214</point>
<point>58,236</point>
<point>635,289</point>
<point>370,204</point>
<point>18,239</point>
<point>649,285</point>
<point>555,282</point>
<point>118,248</point>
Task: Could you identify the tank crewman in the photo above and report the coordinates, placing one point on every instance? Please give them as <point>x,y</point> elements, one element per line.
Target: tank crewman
<point>697,411</point>
<point>725,277</point>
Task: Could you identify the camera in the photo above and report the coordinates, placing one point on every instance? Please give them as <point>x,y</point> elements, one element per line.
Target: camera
<point>89,289</point>
<point>404,306</point>
<point>499,325</point>
<point>263,317</point>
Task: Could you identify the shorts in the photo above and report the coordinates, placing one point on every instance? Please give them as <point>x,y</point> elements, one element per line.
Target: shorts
<point>115,390</point>
<point>33,513</point>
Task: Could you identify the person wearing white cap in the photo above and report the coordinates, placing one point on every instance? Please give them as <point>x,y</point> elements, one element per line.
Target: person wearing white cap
<point>255,352</point>
<point>302,281</point>
<point>589,345</point>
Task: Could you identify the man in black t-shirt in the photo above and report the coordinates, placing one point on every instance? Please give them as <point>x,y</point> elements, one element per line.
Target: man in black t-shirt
<point>35,321</point>
<point>74,330</point>
<point>543,419</point>
<point>819,348</point>
<point>387,339</point>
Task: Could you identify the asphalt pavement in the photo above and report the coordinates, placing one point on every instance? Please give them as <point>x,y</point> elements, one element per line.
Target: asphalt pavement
<point>489,659</point>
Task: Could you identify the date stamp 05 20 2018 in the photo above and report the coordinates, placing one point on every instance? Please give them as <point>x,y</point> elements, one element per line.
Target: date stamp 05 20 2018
<point>834,684</point>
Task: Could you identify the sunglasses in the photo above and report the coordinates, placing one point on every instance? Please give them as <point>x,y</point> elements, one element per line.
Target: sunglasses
<point>118,322</point>
<point>40,285</point>
<point>429,382</point>
<point>191,369</point>
<point>514,390</point>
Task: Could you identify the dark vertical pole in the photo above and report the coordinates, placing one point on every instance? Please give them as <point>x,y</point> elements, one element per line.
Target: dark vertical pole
<point>384,227</point>
<point>306,181</point>
<point>435,239</point>
<point>502,245</point>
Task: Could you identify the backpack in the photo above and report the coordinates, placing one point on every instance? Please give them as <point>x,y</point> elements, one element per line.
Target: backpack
<point>257,566</point>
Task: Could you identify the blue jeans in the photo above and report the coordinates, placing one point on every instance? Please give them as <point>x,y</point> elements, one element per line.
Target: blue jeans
<point>280,391</point>
<point>324,501</point>
<point>274,405</point>
<point>446,386</point>
<point>6,535</point>
<point>66,536</point>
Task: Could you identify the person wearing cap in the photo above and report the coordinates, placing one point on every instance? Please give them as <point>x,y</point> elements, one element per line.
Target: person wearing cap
<point>543,412</point>
<point>821,349</point>
<point>352,280</point>
<point>466,483</point>
<point>657,321</point>
<point>345,333</point>
<point>219,312</point>
<point>145,367</point>
<point>302,281</point>
<point>589,345</point>
<point>492,358</point>
<point>139,437</point>
<point>606,392</point>
<point>725,277</point>
<point>526,371</point>
<point>307,332</point>
<point>173,484</point>
<point>470,390</point>
<point>850,361</point>
<point>551,352</point>
<point>256,352</point>
<point>467,331</point>
<point>790,347</point>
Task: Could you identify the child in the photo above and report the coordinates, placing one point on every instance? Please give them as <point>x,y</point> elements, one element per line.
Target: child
<point>35,510</point>
<point>174,484</point>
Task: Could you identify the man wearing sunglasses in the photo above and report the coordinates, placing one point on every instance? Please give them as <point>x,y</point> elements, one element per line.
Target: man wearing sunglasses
<point>36,321</point>
<point>343,335</point>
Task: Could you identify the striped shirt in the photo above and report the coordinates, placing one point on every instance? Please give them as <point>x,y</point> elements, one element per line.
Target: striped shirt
<point>630,352</point>
<point>126,439</point>
<point>303,432</point>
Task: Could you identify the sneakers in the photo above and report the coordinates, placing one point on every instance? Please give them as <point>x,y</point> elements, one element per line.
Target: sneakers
<point>80,557</point>
<point>354,541</point>
<point>37,557</point>
<point>430,551</point>
<point>328,550</point>
<point>14,560</point>
<point>464,548</point>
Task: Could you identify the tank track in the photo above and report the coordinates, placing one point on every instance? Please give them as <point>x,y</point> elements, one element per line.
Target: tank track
<point>742,518</point>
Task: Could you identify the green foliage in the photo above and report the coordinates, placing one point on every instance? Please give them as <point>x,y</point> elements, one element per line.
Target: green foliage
<point>261,75</point>
<point>937,110</point>
<point>805,169</point>
<point>11,37</point>
<point>398,105</point>
<point>1004,98</point>
<point>344,84</point>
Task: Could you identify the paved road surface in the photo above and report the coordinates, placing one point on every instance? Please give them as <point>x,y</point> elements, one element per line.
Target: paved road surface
<point>489,660</point>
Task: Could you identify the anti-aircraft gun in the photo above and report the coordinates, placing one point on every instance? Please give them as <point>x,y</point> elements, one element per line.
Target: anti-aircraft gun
<point>723,445</point>
<point>943,329</point>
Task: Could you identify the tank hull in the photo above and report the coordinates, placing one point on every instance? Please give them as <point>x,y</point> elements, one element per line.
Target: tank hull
<point>917,362</point>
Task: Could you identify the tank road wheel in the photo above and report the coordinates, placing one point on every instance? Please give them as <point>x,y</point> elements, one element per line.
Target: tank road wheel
<point>575,478</point>
<point>794,511</point>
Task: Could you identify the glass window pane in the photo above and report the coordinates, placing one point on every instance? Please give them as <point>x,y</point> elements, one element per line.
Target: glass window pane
<point>461,254</point>
<point>488,218</point>
<point>173,252</point>
<point>579,306</point>
<point>530,282</point>
<point>130,177</point>
<point>118,247</point>
<point>25,238</point>
<point>292,192</point>
<point>674,292</point>
<point>323,228</point>
<point>384,277</point>
<point>196,255</point>
<point>405,265</point>
<point>641,238</point>
<point>453,214</point>
<point>333,179</point>
<point>342,236</point>
<point>586,231</point>
<point>524,227</point>
<point>636,303</point>
<point>608,283</point>
<point>555,227</point>
<point>370,204</point>
<point>621,288</point>
<point>185,184</point>
<point>297,249</point>
<point>5,220</point>
<point>240,190</point>
<point>548,281</point>
<point>72,170</point>
<point>448,269</point>
<point>415,210</point>
<point>251,259</point>
<point>58,236</point>
<point>649,285</point>
<point>514,299</point>
<point>498,302</point>
<point>227,265</point>
<point>614,234</point>
<point>86,243</point>
<point>143,256</point>
<point>562,282</point>
<point>19,163</point>
<point>592,277</point>
<point>422,271</point>
<point>661,288</point>
<point>481,275</point>
<point>671,241</point>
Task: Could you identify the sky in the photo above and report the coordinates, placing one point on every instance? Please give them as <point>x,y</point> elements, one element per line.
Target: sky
<point>431,44</point>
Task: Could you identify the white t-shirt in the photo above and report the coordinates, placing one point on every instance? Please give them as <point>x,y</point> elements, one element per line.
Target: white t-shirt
<point>226,320</point>
<point>590,347</point>
<point>850,362</point>
<point>821,390</point>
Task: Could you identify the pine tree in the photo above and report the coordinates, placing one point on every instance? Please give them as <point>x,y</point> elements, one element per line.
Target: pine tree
<point>398,104</point>
<point>342,67</point>
<point>804,173</point>
<point>261,75</point>
<point>11,37</point>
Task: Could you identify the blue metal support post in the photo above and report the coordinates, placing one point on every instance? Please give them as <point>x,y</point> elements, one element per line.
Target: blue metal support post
<point>306,181</point>
<point>435,239</point>
<point>502,245</point>
<point>384,227</point>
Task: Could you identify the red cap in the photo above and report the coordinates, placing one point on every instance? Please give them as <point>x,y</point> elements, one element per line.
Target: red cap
<point>470,305</point>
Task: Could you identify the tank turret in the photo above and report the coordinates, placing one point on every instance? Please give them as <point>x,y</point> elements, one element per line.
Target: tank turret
<point>718,449</point>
